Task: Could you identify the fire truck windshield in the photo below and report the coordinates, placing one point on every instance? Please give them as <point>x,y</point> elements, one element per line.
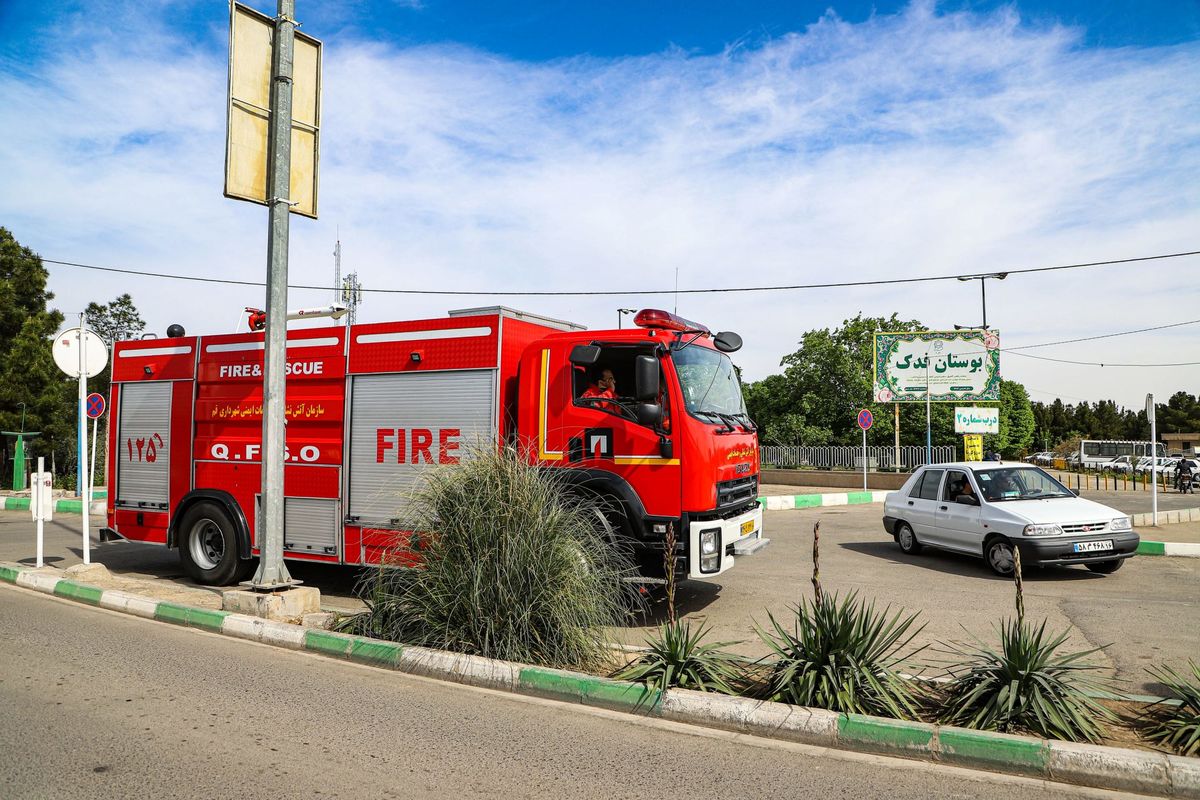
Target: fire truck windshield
<point>710,384</point>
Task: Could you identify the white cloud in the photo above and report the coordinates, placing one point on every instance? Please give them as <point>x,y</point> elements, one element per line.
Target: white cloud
<point>918,143</point>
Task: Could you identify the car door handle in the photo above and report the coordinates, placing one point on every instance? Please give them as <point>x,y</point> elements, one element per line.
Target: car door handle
<point>910,502</point>
<point>944,508</point>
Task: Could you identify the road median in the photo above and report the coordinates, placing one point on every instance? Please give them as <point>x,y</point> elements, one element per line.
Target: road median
<point>1064,762</point>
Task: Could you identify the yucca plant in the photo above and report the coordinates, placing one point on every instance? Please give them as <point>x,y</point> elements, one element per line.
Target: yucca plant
<point>842,654</point>
<point>1175,724</point>
<point>1027,685</point>
<point>678,658</point>
<point>510,565</point>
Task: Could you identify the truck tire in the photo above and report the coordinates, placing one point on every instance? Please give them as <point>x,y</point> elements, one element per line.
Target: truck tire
<point>208,547</point>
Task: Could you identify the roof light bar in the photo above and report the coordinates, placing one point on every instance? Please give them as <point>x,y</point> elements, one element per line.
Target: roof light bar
<point>665,320</point>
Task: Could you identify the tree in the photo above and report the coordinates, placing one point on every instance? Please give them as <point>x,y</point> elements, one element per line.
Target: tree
<point>116,320</point>
<point>27,371</point>
<point>1016,422</point>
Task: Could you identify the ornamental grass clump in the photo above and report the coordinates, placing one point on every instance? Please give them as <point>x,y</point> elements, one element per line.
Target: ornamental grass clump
<point>842,654</point>
<point>1027,685</point>
<point>678,658</point>
<point>509,564</point>
<point>1175,722</point>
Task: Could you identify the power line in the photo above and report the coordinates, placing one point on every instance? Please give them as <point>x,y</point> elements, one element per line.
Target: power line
<point>610,293</point>
<point>1104,335</point>
<point>1103,363</point>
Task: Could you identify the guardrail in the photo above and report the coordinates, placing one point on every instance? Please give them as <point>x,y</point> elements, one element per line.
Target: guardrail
<point>851,456</point>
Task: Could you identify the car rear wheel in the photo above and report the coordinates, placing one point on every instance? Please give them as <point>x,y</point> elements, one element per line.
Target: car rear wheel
<point>907,539</point>
<point>1105,567</point>
<point>999,556</point>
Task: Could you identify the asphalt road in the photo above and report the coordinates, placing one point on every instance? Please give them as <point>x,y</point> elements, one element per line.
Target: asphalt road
<point>1145,614</point>
<point>102,705</point>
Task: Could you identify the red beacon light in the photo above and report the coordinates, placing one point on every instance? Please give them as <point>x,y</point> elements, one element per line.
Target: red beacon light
<point>665,320</point>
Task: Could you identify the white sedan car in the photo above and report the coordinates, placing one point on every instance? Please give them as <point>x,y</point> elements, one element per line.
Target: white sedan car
<point>984,509</point>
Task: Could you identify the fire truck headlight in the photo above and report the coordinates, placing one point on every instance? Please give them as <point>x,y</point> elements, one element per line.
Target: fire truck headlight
<point>710,550</point>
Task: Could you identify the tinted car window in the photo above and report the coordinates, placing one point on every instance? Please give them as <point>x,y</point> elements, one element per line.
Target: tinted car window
<point>929,484</point>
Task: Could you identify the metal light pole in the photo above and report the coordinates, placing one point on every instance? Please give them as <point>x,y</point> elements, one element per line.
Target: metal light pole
<point>983,279</point>
<point>928,416</point>
<point>621,312</point>
<point>272,573</point>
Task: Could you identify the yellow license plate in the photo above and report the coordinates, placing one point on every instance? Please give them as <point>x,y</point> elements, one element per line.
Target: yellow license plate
<point>747,527</point>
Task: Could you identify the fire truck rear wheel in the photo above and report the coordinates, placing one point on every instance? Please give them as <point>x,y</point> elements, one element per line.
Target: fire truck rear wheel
<point>208,546</point>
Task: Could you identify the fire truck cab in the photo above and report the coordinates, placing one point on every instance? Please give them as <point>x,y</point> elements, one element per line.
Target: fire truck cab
<point>370,407</point>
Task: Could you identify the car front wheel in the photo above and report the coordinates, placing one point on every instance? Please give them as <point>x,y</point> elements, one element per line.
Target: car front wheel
<point>907,539</point>
<point>1105,567</point>
<point>999,556</point>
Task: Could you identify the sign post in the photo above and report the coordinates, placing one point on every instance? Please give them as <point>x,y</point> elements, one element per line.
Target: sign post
<point>95,410</point>
<point>41,502</point>
<point>865,420</point>
<point>81,354</point>
<point>1153,458</point>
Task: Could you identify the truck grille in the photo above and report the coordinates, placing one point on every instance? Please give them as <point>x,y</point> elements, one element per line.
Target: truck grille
<point>1085,527</point>
<point>737,491</point>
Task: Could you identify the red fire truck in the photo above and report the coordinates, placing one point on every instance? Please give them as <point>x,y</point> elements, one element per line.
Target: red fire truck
<point>370,407</point>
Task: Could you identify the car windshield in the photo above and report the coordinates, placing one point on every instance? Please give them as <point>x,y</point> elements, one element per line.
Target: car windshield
<point>1018,483</point>
<point>709,382</point>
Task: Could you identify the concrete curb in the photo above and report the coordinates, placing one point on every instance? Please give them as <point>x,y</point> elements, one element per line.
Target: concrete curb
<point>1180,549</point>
<point>1065,762</point>
<point>1174,517</point>
<point>776,502</point>
<point>98,508</point>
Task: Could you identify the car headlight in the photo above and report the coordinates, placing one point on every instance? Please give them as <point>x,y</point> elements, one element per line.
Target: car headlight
<point>1120,524</point>
<point>1042,530</point>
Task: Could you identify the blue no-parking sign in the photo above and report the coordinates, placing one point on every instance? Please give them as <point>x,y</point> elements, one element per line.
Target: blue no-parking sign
<point>95,405</point>
<point>865,419</point>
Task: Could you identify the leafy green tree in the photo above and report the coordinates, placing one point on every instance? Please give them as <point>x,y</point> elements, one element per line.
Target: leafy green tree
<point>1016,422</point>
<point>27,371</point>
<point>114,321</point>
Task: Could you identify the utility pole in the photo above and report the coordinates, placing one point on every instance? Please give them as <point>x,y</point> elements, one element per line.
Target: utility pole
<point>272,572</point>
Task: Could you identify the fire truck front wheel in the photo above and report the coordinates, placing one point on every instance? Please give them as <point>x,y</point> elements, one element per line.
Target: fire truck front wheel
<point>208,546</point>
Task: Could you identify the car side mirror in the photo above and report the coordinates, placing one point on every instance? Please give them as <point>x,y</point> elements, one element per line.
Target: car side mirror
<point>649,414</point>
<point>645,378</point>
<point>1074,492</point>
<point>967,500</point>
<point>585,355</point>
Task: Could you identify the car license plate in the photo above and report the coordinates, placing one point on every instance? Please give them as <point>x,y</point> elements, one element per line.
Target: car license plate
<point>747,527</point>
<point>1088,547</point>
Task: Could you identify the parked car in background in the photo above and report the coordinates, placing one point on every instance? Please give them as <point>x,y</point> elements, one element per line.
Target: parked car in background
<point>1164,464</point>
<point>988,509</point>
<point>1122,464</point>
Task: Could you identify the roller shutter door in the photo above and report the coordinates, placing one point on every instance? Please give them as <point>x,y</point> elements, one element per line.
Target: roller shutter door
<point>399,419</point>
<point>143,445</point>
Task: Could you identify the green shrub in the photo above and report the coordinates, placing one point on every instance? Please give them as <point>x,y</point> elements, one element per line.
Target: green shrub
<point>511,565</point>
<point>678,658</point>
<point>842,654</point>
<point>1026,685</point>
<point>1175,724</point>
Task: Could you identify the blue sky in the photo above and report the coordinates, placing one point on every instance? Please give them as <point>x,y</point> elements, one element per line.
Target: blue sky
<point>603,145</point>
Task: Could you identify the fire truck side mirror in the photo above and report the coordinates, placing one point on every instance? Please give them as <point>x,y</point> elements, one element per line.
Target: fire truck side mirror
<point>727,342</point>
<point>645,375</point>
<point>649,414</point>
<point>585,355</point>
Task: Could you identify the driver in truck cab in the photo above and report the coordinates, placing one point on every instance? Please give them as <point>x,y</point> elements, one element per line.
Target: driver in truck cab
<point>605,388</point>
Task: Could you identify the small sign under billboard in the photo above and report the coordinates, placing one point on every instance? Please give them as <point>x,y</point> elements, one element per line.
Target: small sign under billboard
<point>249,109</point>
<point>973,447</point>
<point>943,366</point>
<point>976,419</point>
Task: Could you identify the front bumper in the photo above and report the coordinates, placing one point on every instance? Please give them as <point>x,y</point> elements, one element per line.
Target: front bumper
<point>1061,549</point>
<point>732,538</point>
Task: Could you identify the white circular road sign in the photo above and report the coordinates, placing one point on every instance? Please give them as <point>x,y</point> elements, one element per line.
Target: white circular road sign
<point>66,352</point>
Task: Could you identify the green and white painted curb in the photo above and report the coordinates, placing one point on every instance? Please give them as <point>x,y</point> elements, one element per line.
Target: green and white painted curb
<point>1086,765</point>
<point>62,506</point>
<point>1181,549</point>
<point>776,502</point>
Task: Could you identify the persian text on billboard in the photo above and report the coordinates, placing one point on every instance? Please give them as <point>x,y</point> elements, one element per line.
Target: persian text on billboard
<point>958,365</point>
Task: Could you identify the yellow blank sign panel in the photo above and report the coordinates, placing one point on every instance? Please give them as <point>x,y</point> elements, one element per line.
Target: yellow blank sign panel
<point>246,147</point>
